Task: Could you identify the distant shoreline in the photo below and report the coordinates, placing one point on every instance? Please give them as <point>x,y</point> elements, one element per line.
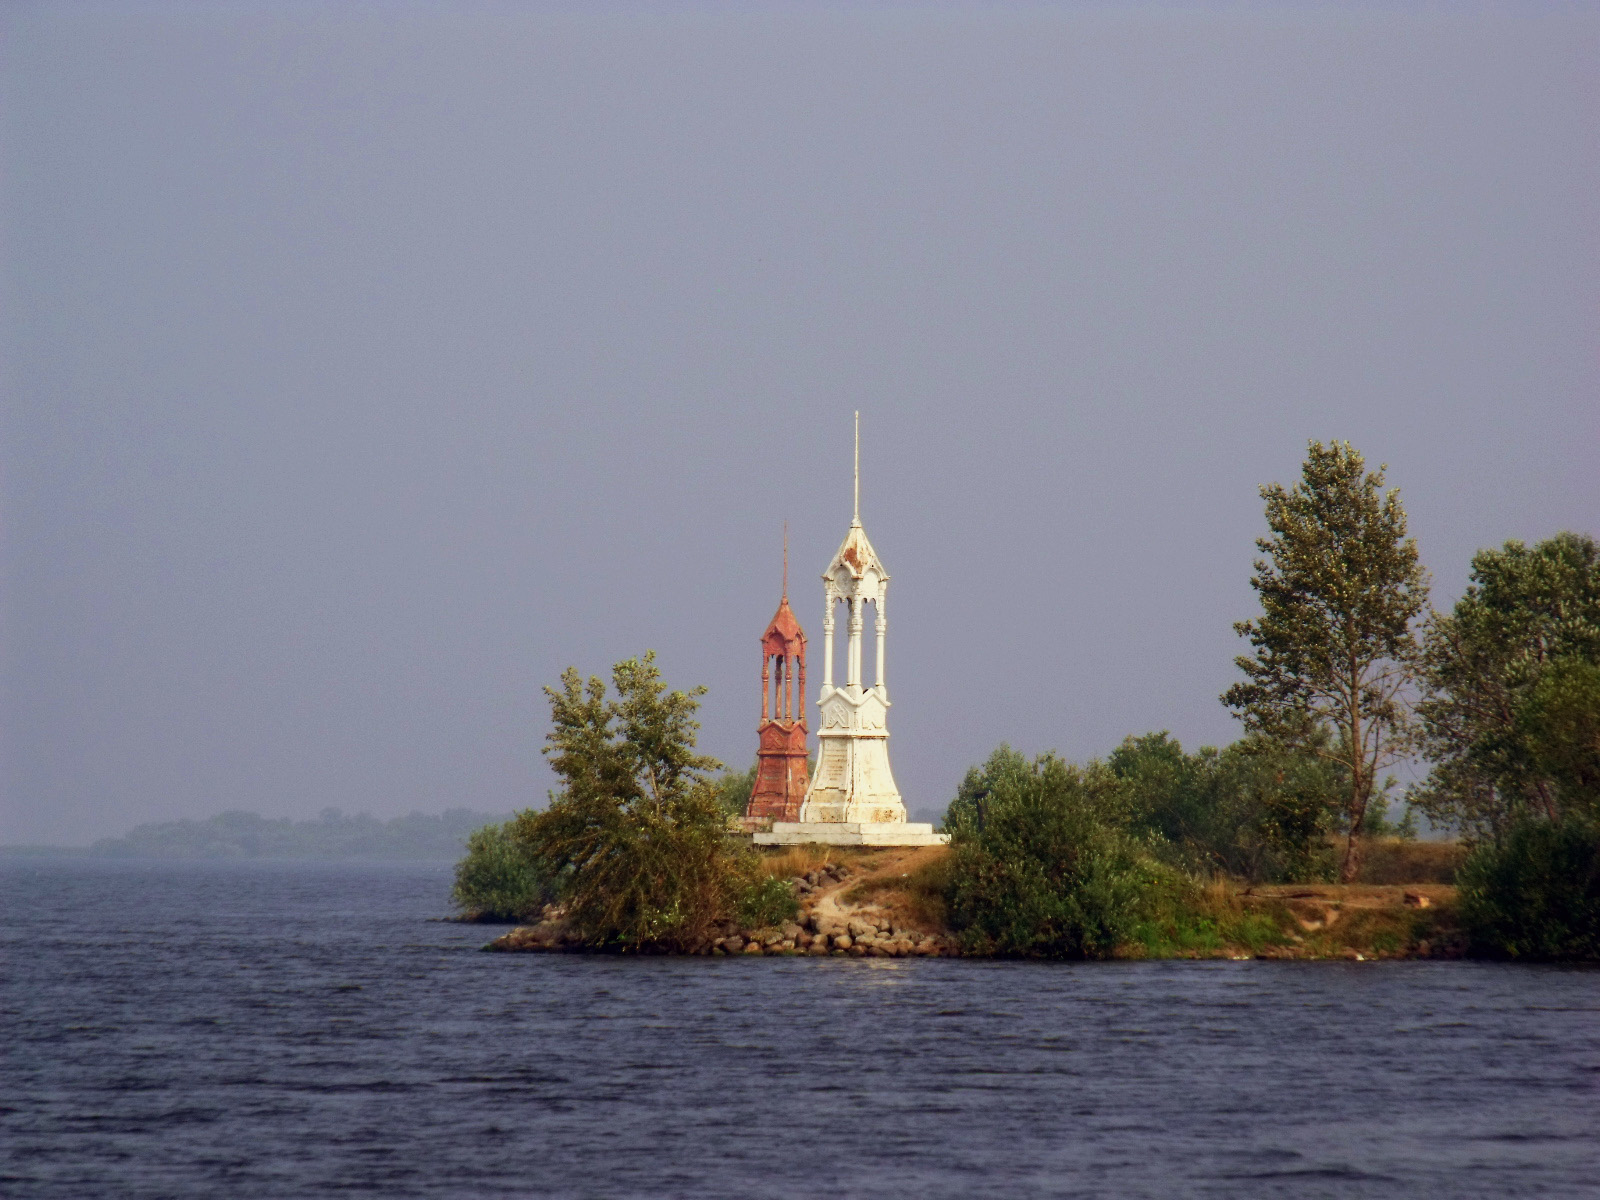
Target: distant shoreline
<point>22,854</point>
<point>238,836</point>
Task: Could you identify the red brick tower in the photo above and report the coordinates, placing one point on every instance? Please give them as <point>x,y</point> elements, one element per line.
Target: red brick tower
<point>781,755</point>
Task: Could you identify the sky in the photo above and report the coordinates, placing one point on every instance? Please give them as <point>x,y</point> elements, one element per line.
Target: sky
<point>364,366</point>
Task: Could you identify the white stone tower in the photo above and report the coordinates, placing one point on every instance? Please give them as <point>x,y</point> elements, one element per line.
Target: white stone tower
<point>852,796</point>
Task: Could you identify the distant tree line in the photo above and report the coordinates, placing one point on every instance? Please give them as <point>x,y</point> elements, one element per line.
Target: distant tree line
<point>332,835</point>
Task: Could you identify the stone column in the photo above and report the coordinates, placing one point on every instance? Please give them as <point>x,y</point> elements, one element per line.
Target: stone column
<point>766,684</point>
<point>881,626</point>
<point>854,678</point>
<point>827,641</point>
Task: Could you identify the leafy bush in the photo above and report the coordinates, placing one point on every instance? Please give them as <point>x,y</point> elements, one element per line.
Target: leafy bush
<point>499,880</point>
<point>765,900</point>
<point>1535,894</point>
<point>636,832</point>
<point>1041,865</point>
<point>636,876</point>
<point>970,806</point>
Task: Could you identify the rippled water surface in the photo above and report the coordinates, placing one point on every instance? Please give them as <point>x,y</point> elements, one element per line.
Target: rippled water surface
<point>294,1030</point>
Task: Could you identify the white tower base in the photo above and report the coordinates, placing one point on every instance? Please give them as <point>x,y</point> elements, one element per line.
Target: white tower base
<point>851,833</point>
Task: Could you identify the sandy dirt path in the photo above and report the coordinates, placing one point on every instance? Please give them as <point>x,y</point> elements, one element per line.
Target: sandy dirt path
<point>827,904</point>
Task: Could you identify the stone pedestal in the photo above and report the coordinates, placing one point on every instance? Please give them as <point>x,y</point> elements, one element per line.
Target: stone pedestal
<point>851,833</point>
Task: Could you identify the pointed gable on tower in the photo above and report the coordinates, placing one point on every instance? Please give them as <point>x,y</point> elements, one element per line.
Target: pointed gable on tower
<point>783,635</point>
<point>856,559</point>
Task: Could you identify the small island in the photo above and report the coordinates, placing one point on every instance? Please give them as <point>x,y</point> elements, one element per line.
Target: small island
<point>1279,846</point>
<point>891,904</point>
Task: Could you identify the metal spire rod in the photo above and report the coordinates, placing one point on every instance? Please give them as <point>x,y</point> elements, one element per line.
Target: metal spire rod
<point>786,562</point>
<point>856,520</point>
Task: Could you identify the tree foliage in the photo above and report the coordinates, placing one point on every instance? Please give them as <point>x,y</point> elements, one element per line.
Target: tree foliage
<point>1256,810</point>
<point>1510,704</point>
<point>635,833</point>
<point>1559,723</point>
<point>734,789</point>
<point>1340,584</point>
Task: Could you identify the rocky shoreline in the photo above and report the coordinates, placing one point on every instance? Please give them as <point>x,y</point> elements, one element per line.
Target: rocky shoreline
<point>859,937</point>
<point>823,927</point>
<point>1309,923</point>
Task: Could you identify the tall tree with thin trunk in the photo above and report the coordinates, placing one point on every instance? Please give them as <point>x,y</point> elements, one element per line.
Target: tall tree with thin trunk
<point>1334,656</point>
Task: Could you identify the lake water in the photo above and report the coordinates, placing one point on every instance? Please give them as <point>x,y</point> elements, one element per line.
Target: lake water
<point>295,1030</point>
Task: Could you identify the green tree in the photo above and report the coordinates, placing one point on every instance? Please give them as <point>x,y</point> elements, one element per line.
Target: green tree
<point>635,833</point>
<point>1282,802</point>
<point>1168,792</point>
<point>1507,683</point>
<point>1333,650</point>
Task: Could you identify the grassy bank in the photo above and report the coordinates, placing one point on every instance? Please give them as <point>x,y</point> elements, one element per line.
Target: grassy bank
<point>1383,918</point>
<point>844,890</point>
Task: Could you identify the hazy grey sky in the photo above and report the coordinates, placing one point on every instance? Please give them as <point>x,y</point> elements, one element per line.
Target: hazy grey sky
<point>366,366</point>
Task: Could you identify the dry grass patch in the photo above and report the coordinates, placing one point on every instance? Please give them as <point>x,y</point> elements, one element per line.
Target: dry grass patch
<point>787,862</point>
<point>1395,860</point>
<point>1374,920</point>
<point>1380,931</point>
<point>910,886</point>
<point>1354,895</point>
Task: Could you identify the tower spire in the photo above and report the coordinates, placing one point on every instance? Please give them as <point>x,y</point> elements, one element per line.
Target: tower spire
<point>856,519</point>
<point>786,562</point>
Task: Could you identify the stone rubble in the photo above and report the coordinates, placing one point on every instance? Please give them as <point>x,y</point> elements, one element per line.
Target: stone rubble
<point>858,935</point>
